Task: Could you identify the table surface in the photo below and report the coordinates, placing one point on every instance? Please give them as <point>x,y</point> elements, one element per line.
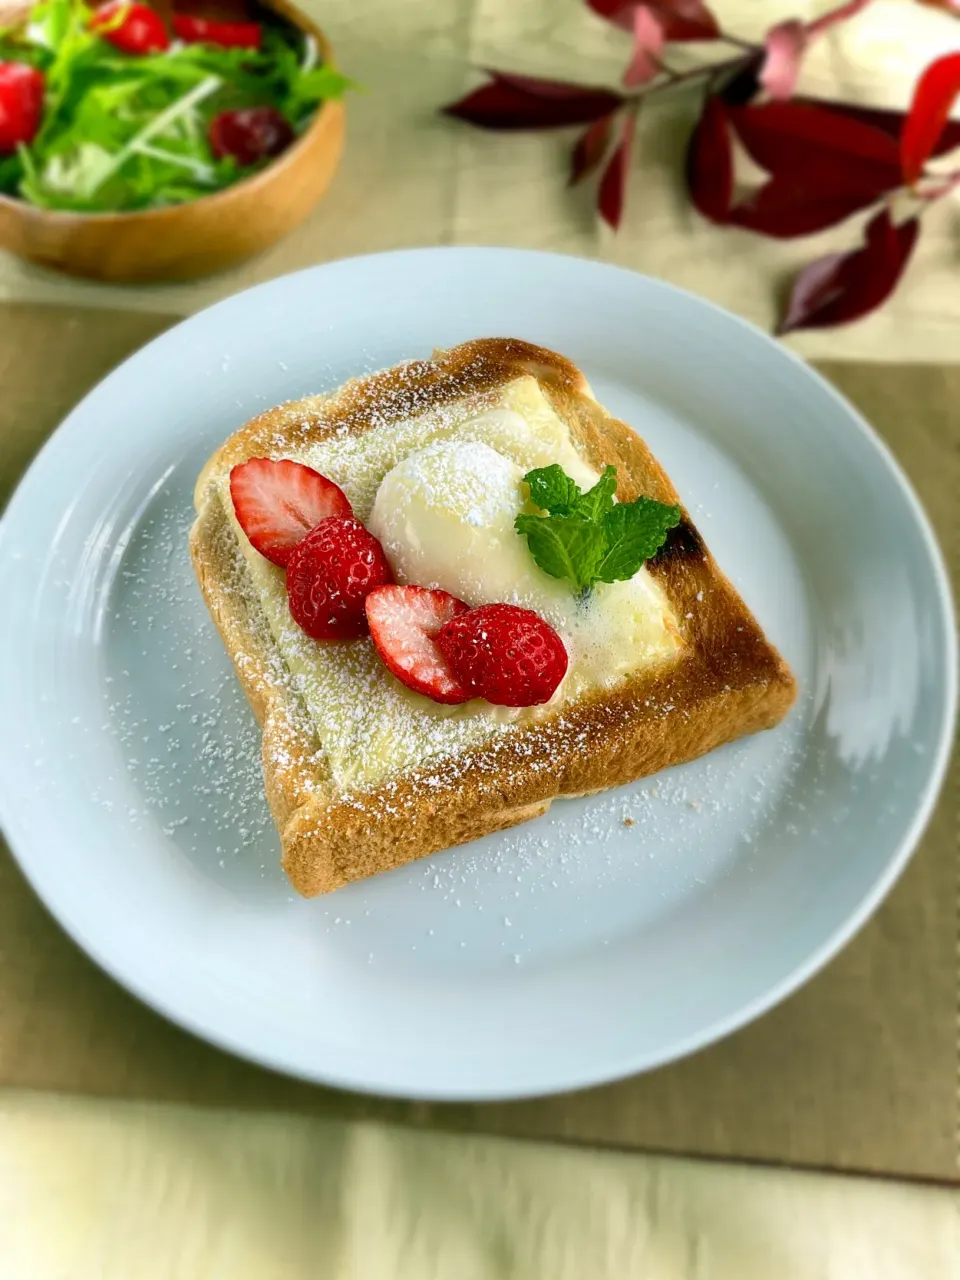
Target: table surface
<point>872,1036</point>
<point>102,1187</point>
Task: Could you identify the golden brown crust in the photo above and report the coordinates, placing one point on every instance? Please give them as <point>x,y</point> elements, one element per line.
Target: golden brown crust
<point>728,680</point>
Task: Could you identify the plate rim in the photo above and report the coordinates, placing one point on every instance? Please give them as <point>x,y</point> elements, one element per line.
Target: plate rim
<point>373,1083</point>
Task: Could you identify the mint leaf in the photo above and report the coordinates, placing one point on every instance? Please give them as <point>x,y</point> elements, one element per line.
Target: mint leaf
<point>598,500</point>
<point>634,531</point>
<point>588,537</point>
<point>565,546</point>
<point>553,490</point>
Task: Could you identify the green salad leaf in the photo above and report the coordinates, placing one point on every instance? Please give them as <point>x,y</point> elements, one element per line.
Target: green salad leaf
<point>121,132</point>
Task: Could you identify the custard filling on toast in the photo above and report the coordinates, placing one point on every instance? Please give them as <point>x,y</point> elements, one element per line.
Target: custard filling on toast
<point>441,491</point>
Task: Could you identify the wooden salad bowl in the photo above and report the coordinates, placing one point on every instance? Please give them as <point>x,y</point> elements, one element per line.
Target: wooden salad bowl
<point>200,236</point>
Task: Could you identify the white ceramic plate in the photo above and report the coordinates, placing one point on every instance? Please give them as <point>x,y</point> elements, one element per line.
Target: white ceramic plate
<point>576,948</point>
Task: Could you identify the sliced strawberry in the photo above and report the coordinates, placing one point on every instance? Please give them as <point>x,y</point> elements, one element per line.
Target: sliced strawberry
<point>403,623</point>
<point>330,574</point>
<point>505,654</point>
<point>278,503</point>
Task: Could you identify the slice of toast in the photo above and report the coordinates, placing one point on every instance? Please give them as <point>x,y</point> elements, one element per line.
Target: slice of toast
<point>363,776</point>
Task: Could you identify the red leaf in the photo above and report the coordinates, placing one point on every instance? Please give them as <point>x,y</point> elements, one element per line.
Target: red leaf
<point>680,19</point>
<point>824,166</point>
<point>932,99</point>
<point>559,89</point>
<point>785,46</point>
<point>525,102</point>
<point>781,135</point>
<point>710,163</point>
<point>818,178</point>
<point>647,47</point>
<point>590,149</point>
<point>887,121</point>
<point>790,206</point>
<point>845,286</point>
<point>613,184</point>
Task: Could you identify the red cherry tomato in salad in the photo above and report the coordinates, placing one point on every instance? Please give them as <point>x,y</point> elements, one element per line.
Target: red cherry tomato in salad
<point>229,35</point>
<point>21,104</point>
<point>250,134</point>
<point>139,30</point>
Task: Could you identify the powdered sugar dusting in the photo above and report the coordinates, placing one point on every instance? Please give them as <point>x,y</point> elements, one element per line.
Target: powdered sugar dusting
<point>613,856</point>
<point>580,877</point>
<point>467,477</point>
<point>173,702</point>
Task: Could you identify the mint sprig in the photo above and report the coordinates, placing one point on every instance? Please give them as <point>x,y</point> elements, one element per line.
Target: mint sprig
<point>587,537</point>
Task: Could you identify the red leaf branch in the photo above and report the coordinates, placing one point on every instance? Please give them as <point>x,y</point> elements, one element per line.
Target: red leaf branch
<point>823,161</point>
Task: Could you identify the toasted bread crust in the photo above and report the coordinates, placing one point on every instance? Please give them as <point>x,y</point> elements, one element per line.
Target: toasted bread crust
<point>726,682</point>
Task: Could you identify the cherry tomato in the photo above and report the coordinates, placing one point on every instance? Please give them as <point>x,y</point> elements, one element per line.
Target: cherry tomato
<point>250,134</point>
<point>229,35</point>
<point>21,104</point>
<point>139,31</point>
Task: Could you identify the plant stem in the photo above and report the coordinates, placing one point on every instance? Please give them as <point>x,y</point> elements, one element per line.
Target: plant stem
<point>748,50</point>
<point>674,78</point>
<point>840,14</point>
<point>737,43</point>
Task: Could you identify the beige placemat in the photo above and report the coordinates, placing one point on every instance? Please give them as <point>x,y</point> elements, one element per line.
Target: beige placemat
<point>857,1071</point>
<point>95,1190</point>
